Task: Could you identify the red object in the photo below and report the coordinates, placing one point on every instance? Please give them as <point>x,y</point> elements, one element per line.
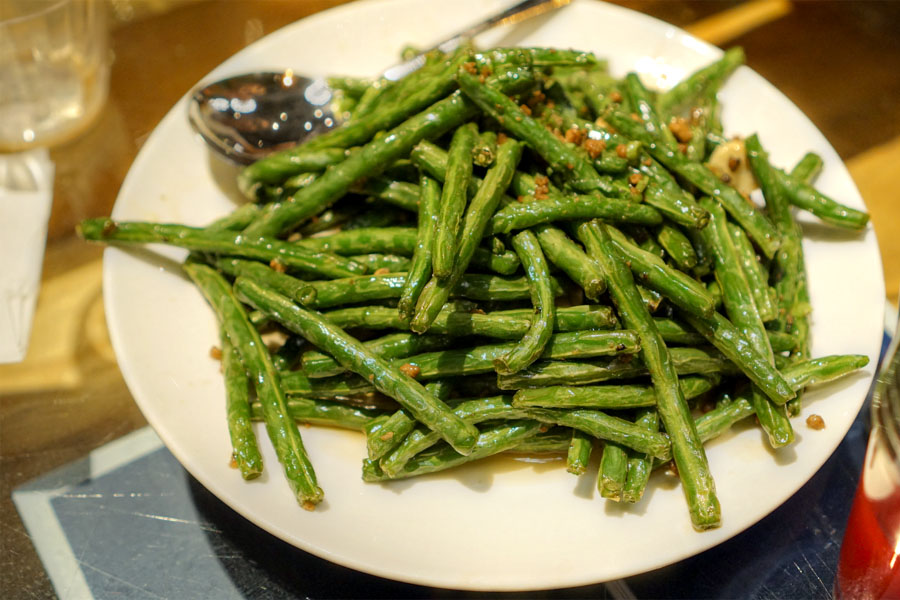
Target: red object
<point>869,565</point>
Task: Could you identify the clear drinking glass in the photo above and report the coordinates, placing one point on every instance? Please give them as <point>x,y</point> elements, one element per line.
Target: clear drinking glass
<point>54,70</point>
<point>869,566</point>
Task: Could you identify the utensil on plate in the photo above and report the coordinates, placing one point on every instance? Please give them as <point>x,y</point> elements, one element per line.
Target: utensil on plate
<point>246,117</point>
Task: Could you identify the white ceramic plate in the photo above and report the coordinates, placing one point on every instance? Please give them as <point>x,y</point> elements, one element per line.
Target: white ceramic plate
<point>504,524</point>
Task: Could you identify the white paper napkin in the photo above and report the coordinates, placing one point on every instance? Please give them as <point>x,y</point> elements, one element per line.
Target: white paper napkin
<point>26,194</point>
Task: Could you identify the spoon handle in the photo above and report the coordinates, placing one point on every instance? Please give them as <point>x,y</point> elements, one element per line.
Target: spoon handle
<point>514,14</point>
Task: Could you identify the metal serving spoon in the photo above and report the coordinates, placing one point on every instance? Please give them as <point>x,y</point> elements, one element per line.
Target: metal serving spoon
<point>246,117</point>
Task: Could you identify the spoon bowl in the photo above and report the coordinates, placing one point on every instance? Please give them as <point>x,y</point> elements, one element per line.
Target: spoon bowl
<point>246,117</point>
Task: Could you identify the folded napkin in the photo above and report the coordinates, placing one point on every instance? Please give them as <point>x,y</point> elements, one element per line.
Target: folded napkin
<point>26,193</point>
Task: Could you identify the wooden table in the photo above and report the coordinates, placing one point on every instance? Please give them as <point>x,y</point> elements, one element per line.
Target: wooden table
<point>838,61</point>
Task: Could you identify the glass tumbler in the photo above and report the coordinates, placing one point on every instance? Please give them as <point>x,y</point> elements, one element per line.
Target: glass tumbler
<point>869,565</point>
<point>54,70</point>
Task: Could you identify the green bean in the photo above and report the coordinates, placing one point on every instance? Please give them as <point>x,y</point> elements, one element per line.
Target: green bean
<point>689,90</point>
<point>265,275</point>
<point>719,420</point>
<point>687,361</point>
<point>606,427</point>
<point>380,90</point>
<point>704,254</point>
<point>338,292</point>
<point>297,384</point>
<point>617,397</point>
<point>495,288</point>
<point>641,104</point>
<point>694,149</point>
<point>587,92</point>
<point>807,168</point>
<point>675,332</point>
<point>571,260</point>
<point>555,440</point>
<point>754,271</point>
<point>502,263</point>
<point>245,451</point>
<point>324,412</point>
<point>640,465</point>
<point>384,240</point>
<point>728,340</point>
<point>579,452</point>
<point>558,207</point>
<point>272,193</point>
<point>431,159</point>
<point>687,448</point>
<point>485,149</point>
<point>480,359</point>
<point>677,246</point>
<point>394,345</point>
<point>388,433</point>
<point>475,220</point>
<point>370,159</point>
<point>665,195</point>
<point>420,270</point>
<point>538,57</point>
<point>642,238</point>
<point>235,220</point>
<point>420,439</point>
<point>453,200</point>
<point>390,263</point>
<point>401,194</point>
<point>499,438</point>
<point>505,325</point>
<point>613,472</point>
<point>757,226</point>
<point>222,242</point>
<point>277,167</point>
<point>805,196</point>
<point>715,291</point>
<point>814,371</point>
<point>652,299</point>
<point>281,428</point>
<point>736,295</point>
<point>354,290</point>
<point>532,344</point>
<point>355,357</point>
<point>708,112</point>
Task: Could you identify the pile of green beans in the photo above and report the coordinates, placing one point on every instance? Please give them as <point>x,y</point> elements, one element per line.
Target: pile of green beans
<point>512,250</point>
